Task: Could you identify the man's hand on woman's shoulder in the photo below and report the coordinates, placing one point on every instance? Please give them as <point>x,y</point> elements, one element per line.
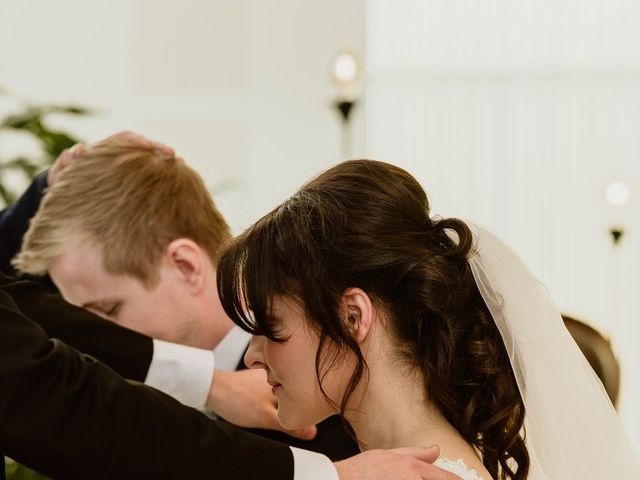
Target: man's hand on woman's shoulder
<point>413,463</point>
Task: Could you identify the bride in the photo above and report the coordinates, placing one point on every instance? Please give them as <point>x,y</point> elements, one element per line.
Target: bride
<point>418,331</point>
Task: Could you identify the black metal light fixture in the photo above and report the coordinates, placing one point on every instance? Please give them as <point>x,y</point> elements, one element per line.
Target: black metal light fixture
<point>344,71</point>
<point>617,195</point>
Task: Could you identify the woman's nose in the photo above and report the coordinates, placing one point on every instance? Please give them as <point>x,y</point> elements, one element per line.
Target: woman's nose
<point>254,358</point>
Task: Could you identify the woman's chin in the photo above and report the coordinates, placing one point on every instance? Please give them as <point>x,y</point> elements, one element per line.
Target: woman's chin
<point>295,420</point>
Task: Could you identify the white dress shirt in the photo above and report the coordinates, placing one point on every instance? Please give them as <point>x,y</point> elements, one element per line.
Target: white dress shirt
<point>186,373</point>
<point>230,350</point>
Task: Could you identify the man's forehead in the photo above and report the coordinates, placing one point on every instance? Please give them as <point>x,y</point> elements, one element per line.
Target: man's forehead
<point>78,262</point>
<point>80,275</point>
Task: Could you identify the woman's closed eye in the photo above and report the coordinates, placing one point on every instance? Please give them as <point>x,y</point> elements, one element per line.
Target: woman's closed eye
<point>276,330</point>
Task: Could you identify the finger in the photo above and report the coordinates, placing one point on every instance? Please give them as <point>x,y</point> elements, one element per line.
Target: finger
<point>426,454</point>
<point>65,156</point>
<point>307,433</point>
<point>69,156</point>
<point>70,153</point>
<point>77,150</point>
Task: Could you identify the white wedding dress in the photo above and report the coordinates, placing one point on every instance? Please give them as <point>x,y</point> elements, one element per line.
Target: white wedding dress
<point>458,467</point>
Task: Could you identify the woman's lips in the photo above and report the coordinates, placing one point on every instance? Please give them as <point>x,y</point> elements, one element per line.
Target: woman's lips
<point>274,386</point>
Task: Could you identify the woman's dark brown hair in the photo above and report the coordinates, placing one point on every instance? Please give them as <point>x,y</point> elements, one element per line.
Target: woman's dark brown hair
<point>366,224</point>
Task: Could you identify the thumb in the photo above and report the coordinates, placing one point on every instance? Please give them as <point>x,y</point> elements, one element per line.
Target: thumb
<point>77,150</point>
<point>427,454</point>
<point>307,433</point>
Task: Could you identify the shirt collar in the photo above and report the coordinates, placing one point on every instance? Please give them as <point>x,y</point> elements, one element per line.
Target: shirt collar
<point>231,348</point>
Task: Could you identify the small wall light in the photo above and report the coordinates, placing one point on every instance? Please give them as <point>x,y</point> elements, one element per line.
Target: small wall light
<point>617,195</point>
<point>345,71</point>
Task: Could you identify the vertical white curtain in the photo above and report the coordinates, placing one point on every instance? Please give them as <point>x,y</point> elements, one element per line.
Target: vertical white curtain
<point>518,114</point>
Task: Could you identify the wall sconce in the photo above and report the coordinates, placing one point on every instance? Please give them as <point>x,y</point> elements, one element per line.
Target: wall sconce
<point>344,72</point>
<point>617,195</point>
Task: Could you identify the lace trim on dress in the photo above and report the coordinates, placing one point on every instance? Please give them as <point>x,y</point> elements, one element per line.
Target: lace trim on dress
<point>458,467</point>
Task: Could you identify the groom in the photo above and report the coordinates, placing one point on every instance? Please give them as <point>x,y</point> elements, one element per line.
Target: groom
<point>131,234</point>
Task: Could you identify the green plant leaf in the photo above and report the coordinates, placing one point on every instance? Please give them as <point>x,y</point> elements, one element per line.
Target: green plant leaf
<point>53,142</point>
<point>70,109</point>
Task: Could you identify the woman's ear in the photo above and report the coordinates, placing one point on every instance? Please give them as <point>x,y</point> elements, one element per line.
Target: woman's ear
<point>187,259</point>
<point>359,310</point>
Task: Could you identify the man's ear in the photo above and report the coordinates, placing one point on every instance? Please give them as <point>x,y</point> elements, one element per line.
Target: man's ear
<point>359,310</point>
<point>188,260</point>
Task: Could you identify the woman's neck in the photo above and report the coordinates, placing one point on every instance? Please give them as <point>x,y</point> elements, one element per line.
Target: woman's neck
<point>392,410</point>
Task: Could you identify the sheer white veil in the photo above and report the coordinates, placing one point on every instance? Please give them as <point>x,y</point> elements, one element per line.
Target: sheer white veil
<point>572,429</point>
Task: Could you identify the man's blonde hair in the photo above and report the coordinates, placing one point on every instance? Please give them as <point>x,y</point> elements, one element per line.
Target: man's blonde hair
<point>131,201</point>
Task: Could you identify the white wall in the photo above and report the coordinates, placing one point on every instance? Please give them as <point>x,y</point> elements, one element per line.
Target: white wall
<point>240,88</point>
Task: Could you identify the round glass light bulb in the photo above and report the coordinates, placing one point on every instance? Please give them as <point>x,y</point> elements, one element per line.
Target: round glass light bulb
<point>345,68</point>
<point>617,194</point>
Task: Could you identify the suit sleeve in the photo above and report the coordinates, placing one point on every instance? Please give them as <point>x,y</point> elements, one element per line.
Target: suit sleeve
<point>124,350</point>
<point>14,221</point>
<point>69,416</point>
<point>127,352</point>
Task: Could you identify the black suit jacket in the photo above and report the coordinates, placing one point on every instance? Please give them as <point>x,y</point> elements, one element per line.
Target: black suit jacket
<point>69,416</point>
<point>127,352</point>
<point>14,221</point>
